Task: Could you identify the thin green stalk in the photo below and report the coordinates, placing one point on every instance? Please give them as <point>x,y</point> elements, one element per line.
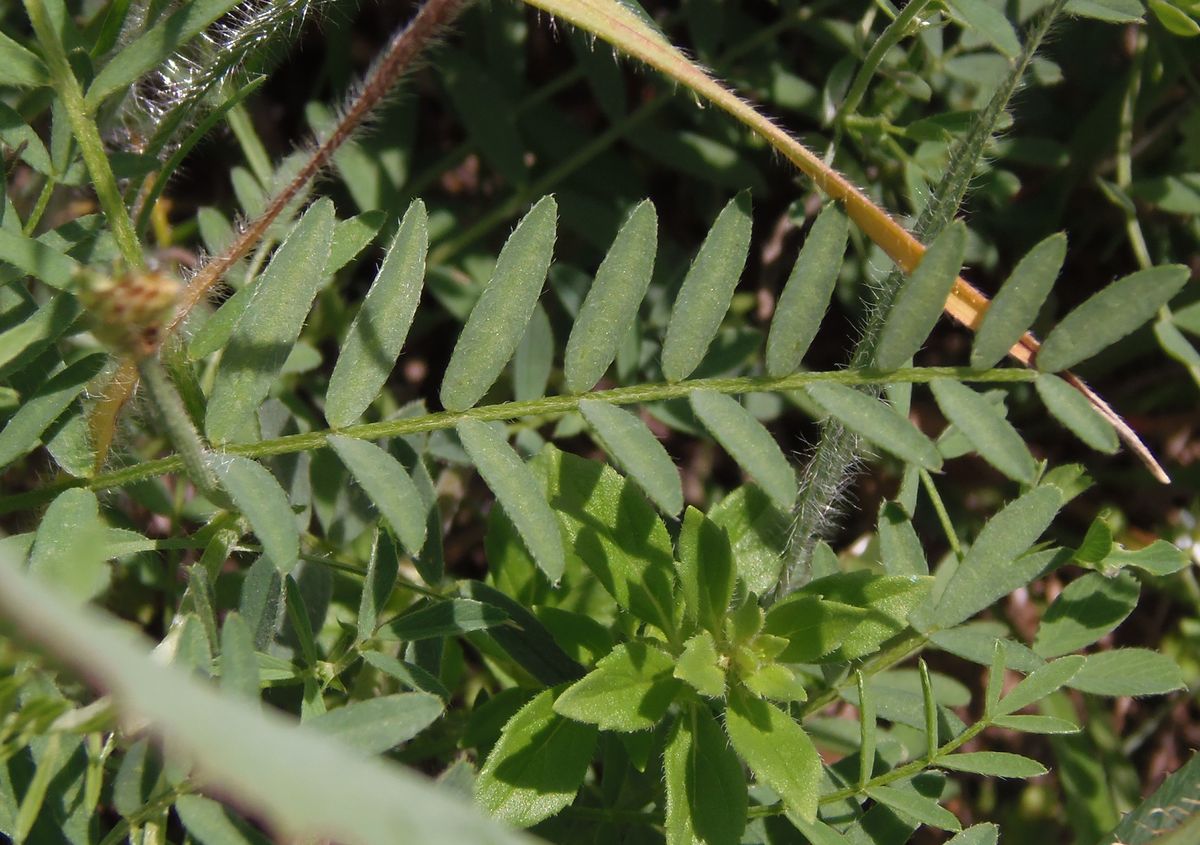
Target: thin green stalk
<point>838,452</point>
<point>83,127</point>
<point>939,507</point>
<point>548,406</point>
<point>39,208</point>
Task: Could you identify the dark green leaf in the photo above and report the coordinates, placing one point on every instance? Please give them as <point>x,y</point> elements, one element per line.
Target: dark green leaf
<point>1040,683</point>
<point>992,24</point>
<point>443,618</point>
<point>68,549</point>
<point>706,790</point>
<point>629,690</point>
<point>380,581</point>
<point>1085,611</point>
<point>777,750</point>
<point>706,570</point>
<point>813,627</point>
<point>916,806</point>
<point>527,640</point>
<point>25,428</point>
<point>18,66</point>
<point>537,766</point>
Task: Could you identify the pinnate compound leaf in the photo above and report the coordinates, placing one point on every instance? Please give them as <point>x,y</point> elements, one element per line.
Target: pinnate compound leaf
<point>299,783</point>
<point>920,301</point>
<point>706,570</point>
<point>916,806</point>
<point>1016,305</point>
<point>877,422</point>
<point>498,320</point>
<point>707,290</point>
<point>518,492</point>
<point>991,569</point>
<point>68,548</point>
<point>807,292</point>
<point>262,501</point>
<point>748,443</point>
<point>389,487</point>
<point>377,334</point>
<point>1073,410</point>
<point>1040,683</point>
<point>777,750</point>
<point>706,790</point>
<point>1128,671</point>
<point>375,725</point>
<point>633,446</point>
<point>537,766</point>
<point>1109,315</point>
<point>611,305</point>
<point>629,690</point>
<point>991,435</point>
<point>1085,611</point>
<point>264,336</point>
<point>998,764</point>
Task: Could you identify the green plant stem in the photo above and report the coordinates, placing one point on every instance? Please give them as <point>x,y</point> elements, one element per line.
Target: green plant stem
<point>838,452</point>
<point>545,407</point>
<point>83,127</point>
<point>939,508</point>
<point>143,815</point>
<point>39,208</point>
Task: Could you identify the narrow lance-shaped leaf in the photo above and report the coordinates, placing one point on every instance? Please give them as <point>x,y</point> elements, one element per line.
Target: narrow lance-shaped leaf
<point>807,292</point>
<point>1073,410</point>
<point>1040,683</point>
<point>992,436</point>
<point>706,790</point>
<point>1128,671</point>
<point>751,445</point>
<point>916,806</point>
<point>24,429</point>
<point>377,334</point>
<point>382,572</point>
<point>518,491</point>
<point>18,66</point>
<point>389,487</point>
<point>706,570</point>
<point>921,299</point>
<point>1016,304</point>
<point>260,498</point>
<point>497,322</point>
<point>707,290</point>
<point>633,446</point>
<point>999,764</point>
<point>612,302</point>
<point>267,330</point>
<point>378,724</point>
<point>1109,315</point>
<point>443,618</point>
<point>868,729</point>
<point>878,422</point>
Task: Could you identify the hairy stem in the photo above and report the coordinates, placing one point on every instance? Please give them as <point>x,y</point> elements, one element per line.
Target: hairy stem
<point>838,452</point>
<point>546,407</point>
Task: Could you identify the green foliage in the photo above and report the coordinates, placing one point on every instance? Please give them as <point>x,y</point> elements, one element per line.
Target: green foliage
<point>358,509</point>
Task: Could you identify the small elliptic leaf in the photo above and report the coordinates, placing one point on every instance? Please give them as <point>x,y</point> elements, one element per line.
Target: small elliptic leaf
<point>1040,683</point>
<point>988,571</point>
<point>916,806</point>
<point>537,766</point>
<point>998,764</point>
<point>748,443</point>
<point>497,322</point>
<point>518,492</point>
<point>1073,410</point>
<point>267,330</point>
<point>707,290</point>
<point>629,690</point>
<point>612,302</point>
<point>378,724</point>
<point>807,292</point>
<point>637,451</point>
<point>1128,671</point>
<point>777,750</point>
<point>992,436</point>
<point>920,301</point>
<point>1109,315</point>
<point>377,334</point>
<point>877,422</point>
<point>1018,301</point>
<point>444,618</point>
<point>262,501</point>
<point>68,548</point>
<point>389,487</point>
<point>1036,724</point>
<point>1085,611</point>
